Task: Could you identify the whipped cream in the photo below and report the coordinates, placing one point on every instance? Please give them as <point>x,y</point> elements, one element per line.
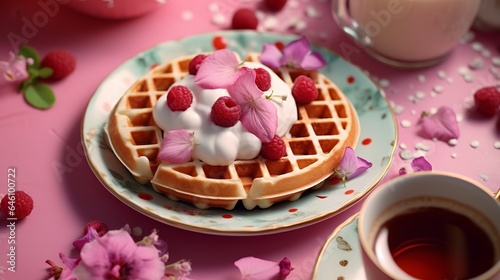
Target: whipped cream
<point>218,145</point>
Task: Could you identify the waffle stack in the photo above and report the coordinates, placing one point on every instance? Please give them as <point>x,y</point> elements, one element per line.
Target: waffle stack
<point>314,146</point>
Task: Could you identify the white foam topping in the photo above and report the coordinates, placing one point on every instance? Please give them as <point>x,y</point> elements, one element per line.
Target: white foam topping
<point>218,145</point>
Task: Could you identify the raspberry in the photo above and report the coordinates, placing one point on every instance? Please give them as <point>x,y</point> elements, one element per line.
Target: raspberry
<point>225,112</point>
<point>179,98</point>
<point>99,226</point>
<point>17,205</point>
<point>304,91</point>
<point>487,101</point>
<point>195,63</point>
<point>244,18</point>
<point>274,149</point>
<point>61,62</point>
<point>262,79</point>
<point>275,5</point>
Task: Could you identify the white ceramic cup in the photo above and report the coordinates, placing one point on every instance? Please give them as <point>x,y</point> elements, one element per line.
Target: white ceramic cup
<point>422,190</point>
<point>406,33</point>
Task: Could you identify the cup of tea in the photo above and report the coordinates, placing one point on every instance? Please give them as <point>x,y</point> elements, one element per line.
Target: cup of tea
<point>430,225</point>
<point>406,33</point>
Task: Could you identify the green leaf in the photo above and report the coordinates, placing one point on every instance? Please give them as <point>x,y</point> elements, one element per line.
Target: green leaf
<point>45,72</point>
<point>29,52</point>
<point>40,96</point>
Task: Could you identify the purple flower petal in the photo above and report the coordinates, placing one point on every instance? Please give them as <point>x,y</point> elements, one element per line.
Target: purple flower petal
<point>271,56</point>
<point>363,165</point>
<point>258,115</point>
<point>177,146</point>
<point>91,235</point>
<point>351,165</point>
<point>442,125</point>
<point>285,266</point>
<point>219,70</point>
<point>313,61</point>
<point>420,164</point>
<point>252,268</point>
<point>295,52</point>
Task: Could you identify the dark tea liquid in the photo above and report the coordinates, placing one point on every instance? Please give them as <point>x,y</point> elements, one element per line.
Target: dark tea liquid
<point>435,243</point>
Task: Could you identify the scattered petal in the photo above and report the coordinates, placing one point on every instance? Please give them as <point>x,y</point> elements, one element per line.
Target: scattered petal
<point>252,268</point>
<point>420,164</point>
<point>177,146</point>
<point>442,125</point>
<point>219,70</point>
<point>351,165</point>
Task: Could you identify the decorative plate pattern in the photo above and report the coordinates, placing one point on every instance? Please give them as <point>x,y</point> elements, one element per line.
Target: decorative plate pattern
<point>340,257</point>
<point>377,143</point>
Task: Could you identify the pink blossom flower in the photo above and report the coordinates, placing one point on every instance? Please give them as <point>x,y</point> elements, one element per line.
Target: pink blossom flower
<point>91,235</point>
<point>417,164</point>
<point>296,54</point>
<point>442,125</point>
<point>252,268</point>
<point>15,69</point>
<point>177,146</point>
<point>65,272</point>
<point>115,255</point>
<point>218,70</point>
<point>351,165</point>
<point>258,115</point>
<point>180,269</point>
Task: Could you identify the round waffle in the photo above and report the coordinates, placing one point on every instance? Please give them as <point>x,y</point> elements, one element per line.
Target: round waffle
<point>314,145</point>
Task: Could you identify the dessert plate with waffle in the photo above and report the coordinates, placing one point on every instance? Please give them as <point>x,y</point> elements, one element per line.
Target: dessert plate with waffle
<point>226,187</point>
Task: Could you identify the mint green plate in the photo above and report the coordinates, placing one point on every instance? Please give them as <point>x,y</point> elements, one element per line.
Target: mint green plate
<point>377,143</point>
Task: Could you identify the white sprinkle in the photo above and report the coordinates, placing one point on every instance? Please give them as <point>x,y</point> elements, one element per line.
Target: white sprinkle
<point>270,23</point>
<point>433,110</point>
<point>405,123</point>
<point>449,80</point>
<point>421,78</point>
<point>384,83</point>
<point>468,37</point>
<point>496,60</point>
<point>402,146</point>
<point>476,46</point>
<point>474,144</point>
<point>218,18</point>
<point>137,231</point>
<point>484,177</point>
<point>312,12</point>
<point>486,53</point>
<point>454,155</point>
<point>438,89</point>
<point>406,154</point>
<point>213,7</point>
<point>398,109</point>
<point>412,98</point>
<point>299,25</point>
<point>462,70</point>
<point>453,142</point>
<point>293,4</point>
<point>413,112</point>
<point>496,145</point>
<point>441,74</point>
<point>187,16</point>
<point>420,95</point>
<point>476,63</point>
<point>422,146</point>
<point>469,77</point>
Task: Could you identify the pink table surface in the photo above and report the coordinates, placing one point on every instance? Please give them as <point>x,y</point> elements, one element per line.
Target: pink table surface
<point>35,141</point>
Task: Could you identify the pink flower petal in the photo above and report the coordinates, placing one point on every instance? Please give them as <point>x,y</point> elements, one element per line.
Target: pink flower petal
<point>351,165</point>
<point>177,146</point>
<point>271,56</point>
<point>420,164</point>
<point>442,125</point>
<point>91,235</point>
<point>313,61</point>
<point>218,70</point>
<point>258,115</point>
<point>252,268</point>
<point>362,166</point>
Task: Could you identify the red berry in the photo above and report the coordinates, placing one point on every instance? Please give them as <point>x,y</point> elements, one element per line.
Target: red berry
<point>262,79</point>
<point>304,91</point>
<point>487,101</point>
<point>274,149</point>
<point>195,63</point>
<point>179,98</point>
<point>99,226</point>
<point>225,112</point>
<point>61,62</point>
<point>275,5</point>
<point>18,205</point>
<point>244,18</point>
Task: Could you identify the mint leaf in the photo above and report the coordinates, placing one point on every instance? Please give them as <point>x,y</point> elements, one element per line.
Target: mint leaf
<point>40,96</point>
<point>45,72</point>
<point>29,52</point>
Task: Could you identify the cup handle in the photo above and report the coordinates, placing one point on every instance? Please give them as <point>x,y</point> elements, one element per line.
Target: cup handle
<point>340,11</point>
